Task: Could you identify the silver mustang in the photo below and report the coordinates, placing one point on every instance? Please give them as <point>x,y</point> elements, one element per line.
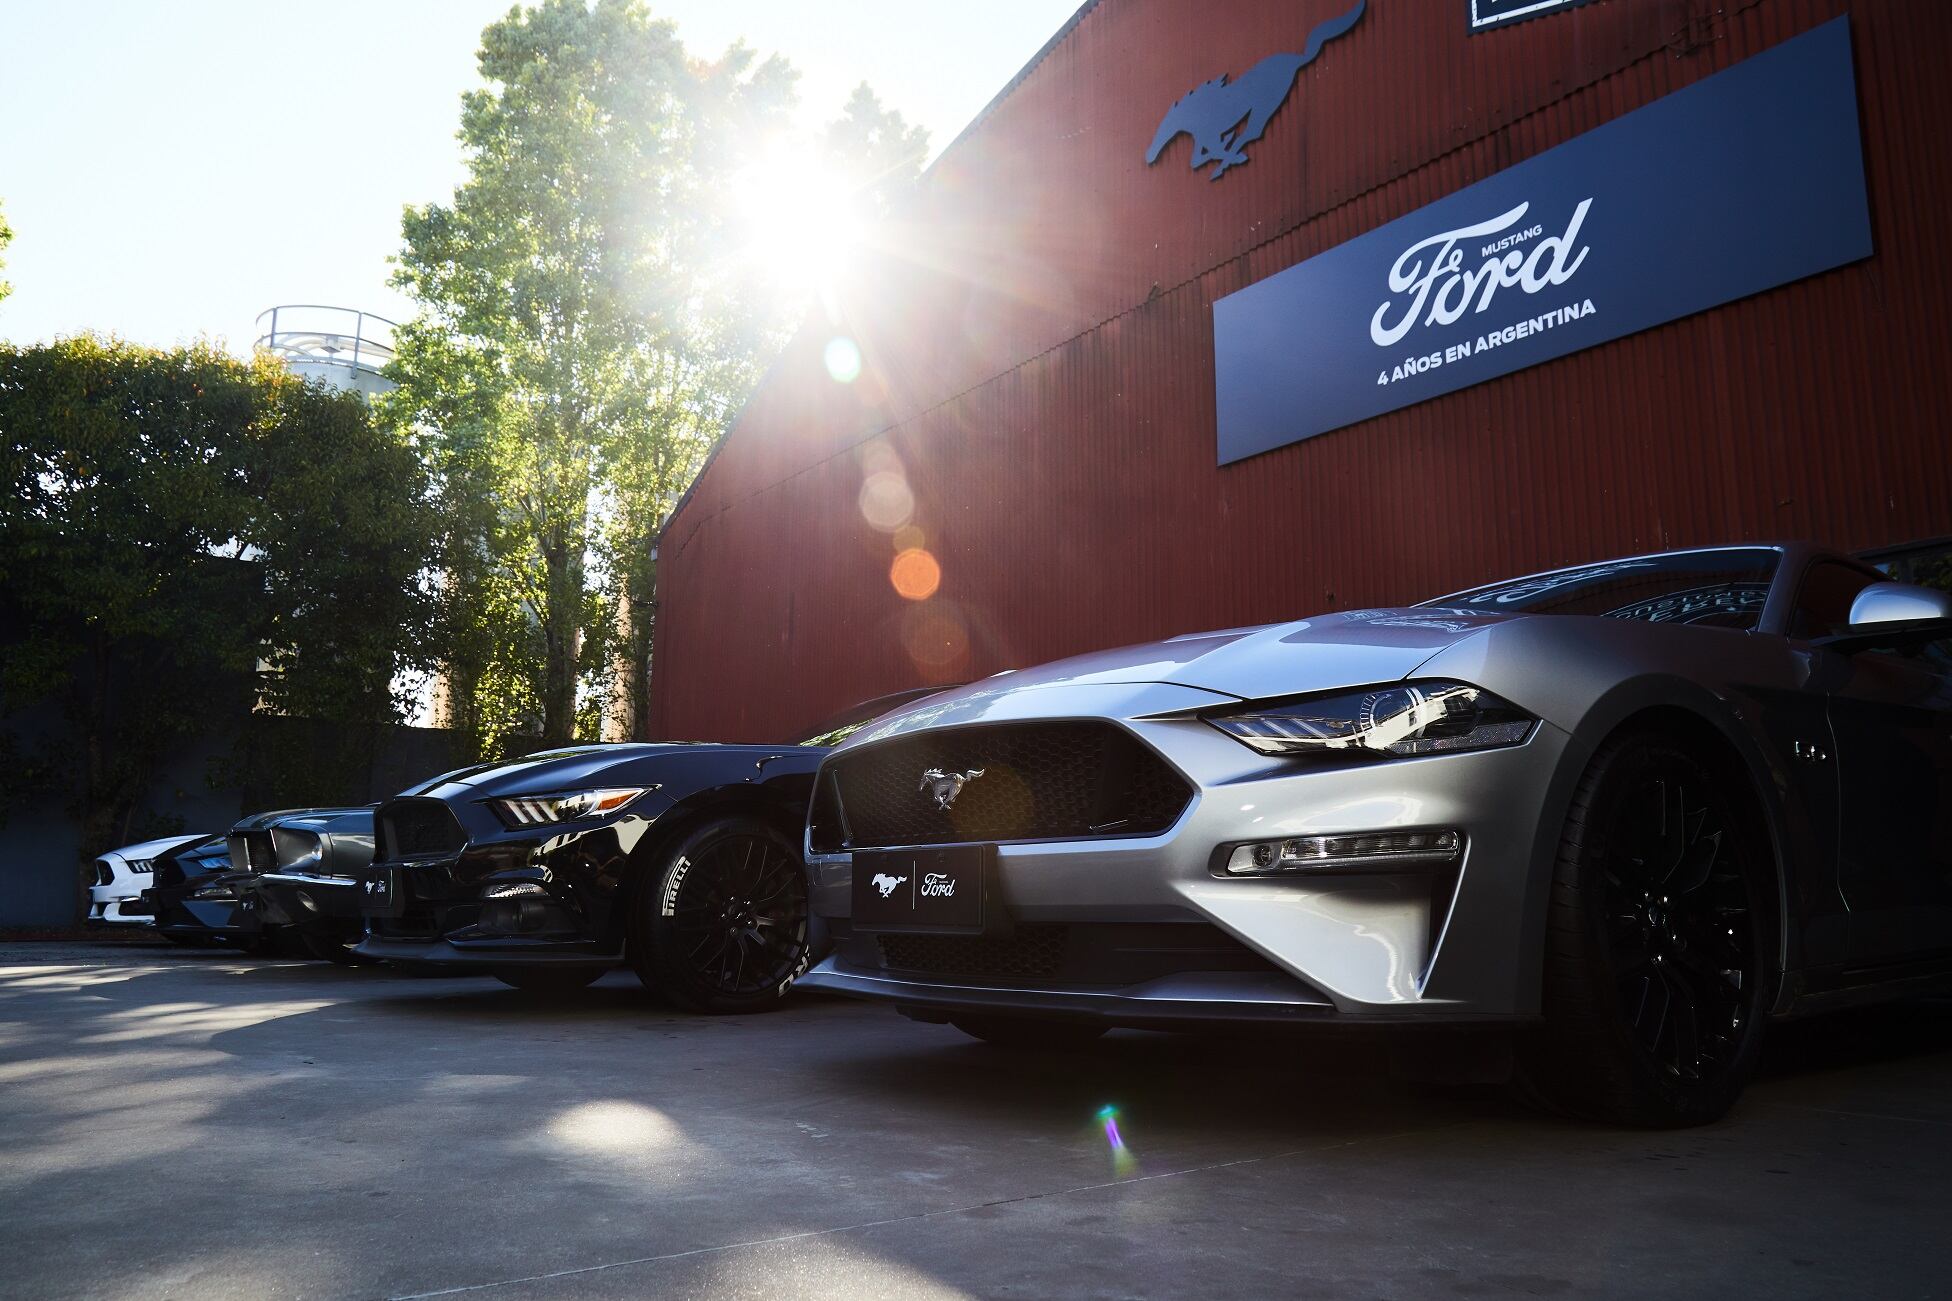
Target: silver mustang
<point>1633,809</point>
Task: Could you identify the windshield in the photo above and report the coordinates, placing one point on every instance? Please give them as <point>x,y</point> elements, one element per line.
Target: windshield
<point>1720,589</point>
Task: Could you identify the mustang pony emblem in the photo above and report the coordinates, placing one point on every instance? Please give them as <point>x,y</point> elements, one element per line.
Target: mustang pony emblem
<point>1223,115</point>
<point>945,786</point>
<point>884,883</point>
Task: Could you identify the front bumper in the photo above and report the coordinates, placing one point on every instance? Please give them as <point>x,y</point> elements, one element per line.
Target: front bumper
<point>326,905</point>
<point>1410,944</point>
<point>229,920</point>
<point>115,906</point>
<point>443,911</point>
<point>465,958</point>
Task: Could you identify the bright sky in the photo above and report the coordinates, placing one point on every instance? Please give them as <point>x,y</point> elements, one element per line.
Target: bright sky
<point>172,169</point>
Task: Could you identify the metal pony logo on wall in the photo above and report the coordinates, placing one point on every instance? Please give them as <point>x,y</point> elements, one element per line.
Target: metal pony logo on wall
<point>1224,116</point>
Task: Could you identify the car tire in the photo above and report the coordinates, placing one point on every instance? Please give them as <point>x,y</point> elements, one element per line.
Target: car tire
<point>1028,1032</point>
<point>1656,944</point>
<point>548,980</point>
<point>721,923</point>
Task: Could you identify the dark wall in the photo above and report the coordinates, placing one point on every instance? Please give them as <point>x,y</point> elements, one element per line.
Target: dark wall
<point>1039,377</point>
<point>40,883</point>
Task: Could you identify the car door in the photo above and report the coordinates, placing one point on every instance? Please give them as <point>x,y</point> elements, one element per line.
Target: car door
<point>1890,716</point>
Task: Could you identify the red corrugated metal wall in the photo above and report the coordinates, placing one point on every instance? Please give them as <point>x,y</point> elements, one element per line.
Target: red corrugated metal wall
<point>1038,339</point>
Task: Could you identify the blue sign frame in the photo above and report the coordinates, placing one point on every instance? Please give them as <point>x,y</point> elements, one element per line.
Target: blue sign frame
<point>1487,14</point>
<point>1746,180</point>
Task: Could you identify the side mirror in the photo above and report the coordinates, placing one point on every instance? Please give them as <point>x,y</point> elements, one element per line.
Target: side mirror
<point>1887,603</point>
<point>1894,616</point>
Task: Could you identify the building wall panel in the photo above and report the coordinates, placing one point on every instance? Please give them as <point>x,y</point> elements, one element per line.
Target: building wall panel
<point>1039,339</point>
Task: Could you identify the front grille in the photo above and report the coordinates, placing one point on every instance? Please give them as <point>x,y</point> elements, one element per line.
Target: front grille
<point>1032,952</point>
<point>1040,781</point>
<point>417,829</point>
<point>257,853</point>
<point>103,872</point>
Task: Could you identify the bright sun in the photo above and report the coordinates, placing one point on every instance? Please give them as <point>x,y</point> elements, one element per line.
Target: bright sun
<point>801,221</point>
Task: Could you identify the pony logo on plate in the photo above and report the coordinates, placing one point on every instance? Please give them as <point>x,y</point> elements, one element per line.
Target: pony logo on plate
<point>885,884</point>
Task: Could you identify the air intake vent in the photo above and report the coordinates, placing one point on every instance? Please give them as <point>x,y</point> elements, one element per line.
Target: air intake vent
<point>1031,953</point>
<point>417,829</point>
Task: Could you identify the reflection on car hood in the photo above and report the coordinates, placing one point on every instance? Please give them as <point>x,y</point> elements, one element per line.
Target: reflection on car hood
<point>313,819</point>
<point>1326,653</point>
<point>151,848</point>
<point>572,768</point>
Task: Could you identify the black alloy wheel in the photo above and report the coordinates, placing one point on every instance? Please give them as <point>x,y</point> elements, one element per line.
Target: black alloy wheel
<point>1655,944</point>
<point>1679,928</point>
<point>723,926</point>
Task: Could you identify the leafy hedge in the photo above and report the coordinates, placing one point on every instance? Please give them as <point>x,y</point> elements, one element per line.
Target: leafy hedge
<point>186,537</point>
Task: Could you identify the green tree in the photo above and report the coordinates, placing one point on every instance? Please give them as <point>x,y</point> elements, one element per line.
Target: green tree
<point>563,354</point>
<point>6,238</point>
<point>185,537</point>
<point>586,330</point>
<point>876,148</point>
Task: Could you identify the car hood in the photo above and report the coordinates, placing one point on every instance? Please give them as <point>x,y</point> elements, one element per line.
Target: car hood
<point>314,819</point>
<point>573,768</point>
<point>1325,653</point>
<point>153,848</point>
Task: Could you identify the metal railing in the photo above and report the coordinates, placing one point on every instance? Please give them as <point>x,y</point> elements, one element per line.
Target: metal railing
<point>321,335</point>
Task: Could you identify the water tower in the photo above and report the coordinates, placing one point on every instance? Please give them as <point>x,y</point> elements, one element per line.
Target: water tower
<point>338,345</point>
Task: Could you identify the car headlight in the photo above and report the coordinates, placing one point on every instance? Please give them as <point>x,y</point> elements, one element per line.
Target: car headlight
<point>1410,718</point>
<point>537,810</point>
<point>296,851</point>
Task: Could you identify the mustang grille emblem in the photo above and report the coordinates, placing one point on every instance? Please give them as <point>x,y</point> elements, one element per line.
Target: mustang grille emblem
<point>1222,116</point>
<point>945,786</point>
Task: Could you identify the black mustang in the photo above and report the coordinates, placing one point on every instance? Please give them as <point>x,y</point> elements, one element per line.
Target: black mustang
<point>199,898</point>
<point>680,859</point>
<point>303,866</point>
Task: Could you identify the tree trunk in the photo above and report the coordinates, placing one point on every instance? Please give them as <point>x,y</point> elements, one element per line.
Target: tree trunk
<point>562,637</point>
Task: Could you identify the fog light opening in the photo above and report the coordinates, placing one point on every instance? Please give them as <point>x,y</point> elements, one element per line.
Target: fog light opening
<point>516,890</point>
<point>1380,849</point>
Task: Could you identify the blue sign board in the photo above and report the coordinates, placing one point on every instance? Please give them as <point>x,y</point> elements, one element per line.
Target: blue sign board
<point>1748,179</point>
<point>1486,14</point>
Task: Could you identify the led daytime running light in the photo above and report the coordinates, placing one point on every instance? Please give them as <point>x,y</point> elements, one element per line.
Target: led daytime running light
<point>1381,849</point>
<point>541,810</point>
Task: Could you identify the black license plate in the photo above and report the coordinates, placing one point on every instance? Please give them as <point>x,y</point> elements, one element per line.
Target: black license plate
<point>940,891</point>
<point>381,893</point>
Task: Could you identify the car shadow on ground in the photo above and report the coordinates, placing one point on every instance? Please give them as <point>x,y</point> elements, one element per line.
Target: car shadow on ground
<point>1866,1036</point>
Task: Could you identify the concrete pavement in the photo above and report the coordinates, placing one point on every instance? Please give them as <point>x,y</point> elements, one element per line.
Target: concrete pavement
<point>186,1123</point>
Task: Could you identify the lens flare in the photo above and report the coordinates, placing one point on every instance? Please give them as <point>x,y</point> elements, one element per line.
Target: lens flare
<point>1123,1162</point>
<point>915,574</point>
<point>886,502</point>
<point>843,359</point>
<point>936,639</point>
<point>800,224</point>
